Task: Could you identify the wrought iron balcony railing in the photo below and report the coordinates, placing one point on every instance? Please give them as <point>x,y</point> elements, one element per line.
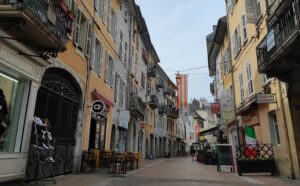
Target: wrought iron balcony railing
<point>283,37</point>
<point>153,101</point>
<point>159,83</point>
<point>42,24</point>
<point>151,70</point>
<point>167,91</point>
<point>136,106</point>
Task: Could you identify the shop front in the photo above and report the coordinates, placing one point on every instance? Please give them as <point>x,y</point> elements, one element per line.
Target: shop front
<point>19,81</point>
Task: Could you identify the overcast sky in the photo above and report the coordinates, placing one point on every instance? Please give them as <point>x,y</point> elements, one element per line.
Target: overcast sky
<point>178,30</point>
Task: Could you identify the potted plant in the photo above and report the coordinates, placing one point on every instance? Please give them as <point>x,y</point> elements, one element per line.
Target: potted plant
<point>62,5</point>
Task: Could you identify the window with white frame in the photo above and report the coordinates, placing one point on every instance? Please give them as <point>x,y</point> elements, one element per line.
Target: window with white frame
<point>121,44</point>
<point>241,83</point>
<point>125,53</point>
<point>99,7</point>
<point>96,56</point>
<point>244,27</point>
<point>236,42</point>
<point>132,61</point>
<point>249,79</point>
<point>109,69</point>
<point>116,87</point>
<point>121,94</point>
<point>227,64</point>
<point>259,9</point>
<point>229,6</point>
<point>275,138</point>
<point>83,33</point>
<point>112,21</point>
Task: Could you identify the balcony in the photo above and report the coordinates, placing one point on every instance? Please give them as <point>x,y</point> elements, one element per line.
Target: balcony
<point>42,24</point>
<point>151,70</point>
<point>279,51</point>
<point>167,91</point>
<point>153,101</point>
<point>173,113</point>
<point>160,83</point>
<point>137,107</point>
<point>163,109</point>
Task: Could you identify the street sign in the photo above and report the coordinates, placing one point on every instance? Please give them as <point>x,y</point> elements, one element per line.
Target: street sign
<point>215,108</point>
<point>265,98</point>
<point>98,107</point>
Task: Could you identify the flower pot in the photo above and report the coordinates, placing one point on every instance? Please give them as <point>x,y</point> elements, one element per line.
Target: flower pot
<point>62,5</point>
<point>71,15</point>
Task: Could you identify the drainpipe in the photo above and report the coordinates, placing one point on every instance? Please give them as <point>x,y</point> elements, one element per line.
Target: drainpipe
<point>292,169</point>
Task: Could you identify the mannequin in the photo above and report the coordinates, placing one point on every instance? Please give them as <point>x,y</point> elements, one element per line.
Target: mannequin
<point>3,114</point>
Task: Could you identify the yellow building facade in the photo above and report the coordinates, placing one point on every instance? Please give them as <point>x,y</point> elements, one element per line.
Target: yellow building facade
<point>268,119</point>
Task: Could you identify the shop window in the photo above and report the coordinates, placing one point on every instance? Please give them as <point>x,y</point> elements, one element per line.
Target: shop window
<point>11,96</point>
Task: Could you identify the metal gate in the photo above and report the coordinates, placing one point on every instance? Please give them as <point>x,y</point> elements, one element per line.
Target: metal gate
<point>58,100</point>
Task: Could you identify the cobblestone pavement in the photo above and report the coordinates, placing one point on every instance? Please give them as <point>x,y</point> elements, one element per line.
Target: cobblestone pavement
<point>172,172</point>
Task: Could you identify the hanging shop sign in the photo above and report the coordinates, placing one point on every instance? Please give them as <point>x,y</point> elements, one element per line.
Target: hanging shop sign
<point>265,98</point>
<point>215,108</point>
<point>99,108</point>
<point>124,119</point>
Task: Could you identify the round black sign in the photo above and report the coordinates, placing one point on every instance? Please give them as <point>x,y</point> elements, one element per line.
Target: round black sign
<point>98,106</point>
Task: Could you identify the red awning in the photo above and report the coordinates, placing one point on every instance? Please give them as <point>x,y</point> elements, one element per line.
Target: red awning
<point>97,95</point>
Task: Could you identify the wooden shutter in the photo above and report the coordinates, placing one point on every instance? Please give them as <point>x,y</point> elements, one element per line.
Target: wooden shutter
<point>251,11</point>
<point>109,18</point>
<point>100,59</point>
<point>92,56</point>
<point>104,11</point>
<point>77,27</point>
<point>88,42</point>
<point>112,66</point>
<point>106,67</point>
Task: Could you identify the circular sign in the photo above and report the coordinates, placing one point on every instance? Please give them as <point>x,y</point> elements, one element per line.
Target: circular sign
<point>98,106</point>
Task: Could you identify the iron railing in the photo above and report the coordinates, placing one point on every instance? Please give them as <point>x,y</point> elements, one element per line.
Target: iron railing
<point>39,10</point>
<point>151,70</point>
<point>282,30</point>
<point>255,152</point>
<point>136,106</point>
<point>160,83</point>
<point>153,101</point>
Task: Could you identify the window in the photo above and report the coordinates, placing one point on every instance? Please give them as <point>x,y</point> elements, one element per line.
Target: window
<point>132,62</point>
<point>136,65</point>
<point>241,83</point>
<point>227,64</point>
<point>112,21</point>
<point>99,7</point>
<point>244,28</point>
<point>12,92</point>
<point>143,80</point>
<point>109,69</point>
<point>88,42</point>
<point>96,55</point>
<point>137,42</point>
<point>229,6</point>
<point>258,10</point>
<point>82,33</point>
<point>236,42</point>
<point>116,87</point>
<point>121,93</point>
<point>121,44</point>
<point>249,79</point>
<point>275,138</point>
<point>125,55</point>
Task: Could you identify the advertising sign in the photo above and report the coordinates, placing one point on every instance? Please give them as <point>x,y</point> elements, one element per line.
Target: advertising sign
<point>124,119</point>
<point>265,98</point>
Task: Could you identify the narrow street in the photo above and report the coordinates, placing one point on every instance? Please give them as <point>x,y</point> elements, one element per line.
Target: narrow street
<point>175,172</point>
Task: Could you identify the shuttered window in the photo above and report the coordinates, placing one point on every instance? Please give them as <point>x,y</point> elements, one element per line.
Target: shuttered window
<point>241,83</point>
<point>244,28</point>
<point>249,79</point>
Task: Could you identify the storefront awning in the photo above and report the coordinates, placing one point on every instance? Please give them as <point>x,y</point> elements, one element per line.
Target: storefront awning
<point>208,131</point>
<point>97,95</point>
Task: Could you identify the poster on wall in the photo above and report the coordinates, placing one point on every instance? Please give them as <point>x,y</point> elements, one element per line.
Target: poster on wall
<point>124,119</point>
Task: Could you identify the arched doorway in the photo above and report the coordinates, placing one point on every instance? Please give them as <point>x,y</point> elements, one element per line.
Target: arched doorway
<point>58,100</point>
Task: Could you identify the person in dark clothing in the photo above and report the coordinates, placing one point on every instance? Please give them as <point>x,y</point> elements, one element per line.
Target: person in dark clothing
<point>3,113</point>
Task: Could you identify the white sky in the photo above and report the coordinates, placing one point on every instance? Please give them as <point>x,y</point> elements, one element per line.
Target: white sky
<point>178,30</point>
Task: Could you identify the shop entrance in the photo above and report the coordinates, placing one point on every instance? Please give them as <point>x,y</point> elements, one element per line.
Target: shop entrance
<point>58,100</point>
